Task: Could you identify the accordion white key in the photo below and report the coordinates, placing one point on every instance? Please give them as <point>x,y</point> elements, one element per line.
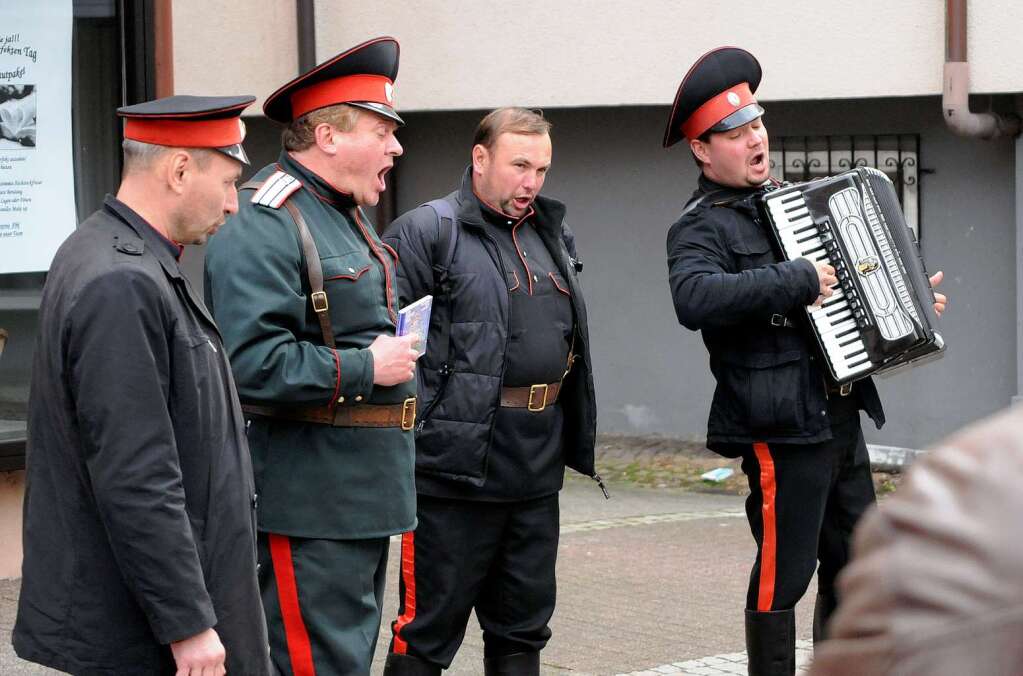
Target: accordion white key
<point>881,315</point>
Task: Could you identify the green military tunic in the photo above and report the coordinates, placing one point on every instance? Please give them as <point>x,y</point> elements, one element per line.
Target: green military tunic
<point>313,480</point>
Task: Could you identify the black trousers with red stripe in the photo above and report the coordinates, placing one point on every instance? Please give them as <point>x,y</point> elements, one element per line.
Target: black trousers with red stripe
<point>803,504</point>
<point>323,601</point>
<point>495,557</point>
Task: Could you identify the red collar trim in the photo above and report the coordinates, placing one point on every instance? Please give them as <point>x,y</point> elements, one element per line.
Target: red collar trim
<point>515,219</point>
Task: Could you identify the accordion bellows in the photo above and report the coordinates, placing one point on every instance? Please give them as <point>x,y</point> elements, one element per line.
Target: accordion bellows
<point>881,315</point>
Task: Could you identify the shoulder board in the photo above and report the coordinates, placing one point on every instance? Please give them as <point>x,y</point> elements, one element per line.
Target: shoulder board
<point>276,190</point>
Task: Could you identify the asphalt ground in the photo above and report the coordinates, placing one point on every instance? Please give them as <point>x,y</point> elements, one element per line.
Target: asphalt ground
<point>651,581</point>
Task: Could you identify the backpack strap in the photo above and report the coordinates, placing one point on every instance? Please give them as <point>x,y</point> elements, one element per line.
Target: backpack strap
<point>447,240</point>
<point>448,230</point>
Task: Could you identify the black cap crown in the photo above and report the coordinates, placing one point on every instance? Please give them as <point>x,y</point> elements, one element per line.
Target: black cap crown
<point>712,97</point>
<point>190,122</point>
<point>362,76</point>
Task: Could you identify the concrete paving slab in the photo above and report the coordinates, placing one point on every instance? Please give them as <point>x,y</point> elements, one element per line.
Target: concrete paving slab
<point>651,579</point>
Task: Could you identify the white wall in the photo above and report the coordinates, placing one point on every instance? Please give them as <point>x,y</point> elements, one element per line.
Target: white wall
<point>468,54</point>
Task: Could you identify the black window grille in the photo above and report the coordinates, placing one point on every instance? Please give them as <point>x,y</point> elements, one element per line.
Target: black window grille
<point>804,158</point>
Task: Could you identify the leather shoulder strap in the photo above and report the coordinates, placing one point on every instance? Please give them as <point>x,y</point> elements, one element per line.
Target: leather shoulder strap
<point>315,272</point>
<point>312,263</point>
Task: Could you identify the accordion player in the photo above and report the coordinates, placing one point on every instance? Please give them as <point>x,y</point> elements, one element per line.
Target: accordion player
<point>881,315</point>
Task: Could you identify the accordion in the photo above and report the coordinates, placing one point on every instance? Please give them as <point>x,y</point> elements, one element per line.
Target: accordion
<point>881,315</point>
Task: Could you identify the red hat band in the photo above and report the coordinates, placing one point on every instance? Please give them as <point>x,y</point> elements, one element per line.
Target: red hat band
<point>350,88</point>
<point>219,133</point>
<point>717,109</point>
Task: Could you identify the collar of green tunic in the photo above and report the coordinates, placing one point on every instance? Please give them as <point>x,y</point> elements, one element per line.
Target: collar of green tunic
<point>315,183</point>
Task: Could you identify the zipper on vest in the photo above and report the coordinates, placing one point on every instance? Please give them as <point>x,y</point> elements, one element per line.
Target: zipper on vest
<point>603,488</point>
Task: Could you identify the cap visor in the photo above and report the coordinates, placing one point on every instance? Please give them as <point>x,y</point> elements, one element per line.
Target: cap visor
<point>235,152</point>
<point>379,109</point>
<point>739,118</point>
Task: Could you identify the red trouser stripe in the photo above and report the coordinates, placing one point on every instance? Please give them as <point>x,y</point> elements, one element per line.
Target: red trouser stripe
<point>300,652</point>
<point>408,577</point>
<point>769,541</point>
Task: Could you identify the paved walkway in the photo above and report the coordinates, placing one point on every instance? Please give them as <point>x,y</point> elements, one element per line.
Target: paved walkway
<point>650,582</point>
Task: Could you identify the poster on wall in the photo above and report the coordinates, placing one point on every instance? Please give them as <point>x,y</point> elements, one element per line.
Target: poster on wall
<point>37,194</point>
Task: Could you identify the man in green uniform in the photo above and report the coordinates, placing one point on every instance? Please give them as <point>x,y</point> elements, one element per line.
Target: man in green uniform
<point>304,293</point>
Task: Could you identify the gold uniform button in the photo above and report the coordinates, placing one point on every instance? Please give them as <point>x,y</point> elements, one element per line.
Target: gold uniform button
<point>340,400</point>
<point>358,397</point>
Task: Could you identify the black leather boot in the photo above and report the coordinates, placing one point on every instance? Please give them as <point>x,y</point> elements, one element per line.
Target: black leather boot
<point>407,665</point>
<point>771,642</point>
<point>823,608</point>
<point>517,664</point>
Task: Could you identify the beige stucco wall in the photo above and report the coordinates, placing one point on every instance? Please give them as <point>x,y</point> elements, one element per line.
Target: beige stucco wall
<point>12,493</point>
<point>464,54</point>
<point>224,47</point>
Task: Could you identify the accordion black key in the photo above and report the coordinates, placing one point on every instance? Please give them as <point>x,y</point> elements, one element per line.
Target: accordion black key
<point>881,315</point>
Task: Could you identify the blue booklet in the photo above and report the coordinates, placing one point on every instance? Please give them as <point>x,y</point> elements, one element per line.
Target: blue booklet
<point>414,319</point>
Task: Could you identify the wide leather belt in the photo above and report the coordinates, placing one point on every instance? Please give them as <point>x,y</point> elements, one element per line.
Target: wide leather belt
<point>534,397</point>
<point>401,415</point>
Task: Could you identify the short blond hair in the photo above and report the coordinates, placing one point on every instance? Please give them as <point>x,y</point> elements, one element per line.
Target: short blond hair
<point>510,120</point>
<point>301,133</point>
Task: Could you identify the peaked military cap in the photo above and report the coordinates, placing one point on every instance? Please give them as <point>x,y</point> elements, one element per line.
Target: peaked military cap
<point>363,76</point>
<point>190,122</point>
<point>715,95</point>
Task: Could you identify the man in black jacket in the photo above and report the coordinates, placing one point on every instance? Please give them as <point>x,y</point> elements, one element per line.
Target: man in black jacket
<point>507,402</point>
<point>798,434</point>
<point>140,533</point>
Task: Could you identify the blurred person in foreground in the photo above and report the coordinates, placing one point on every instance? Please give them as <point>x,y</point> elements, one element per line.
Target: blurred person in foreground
<point>935,585</point>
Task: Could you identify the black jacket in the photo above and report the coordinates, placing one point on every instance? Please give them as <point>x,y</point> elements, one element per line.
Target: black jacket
<point>728,282</point>
<point>139,525</point>
<point>457,409</point>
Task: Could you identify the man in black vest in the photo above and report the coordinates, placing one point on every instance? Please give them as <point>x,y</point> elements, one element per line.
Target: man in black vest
<point>507,402</point>
<point>797,433</point>
<point>140,529</point>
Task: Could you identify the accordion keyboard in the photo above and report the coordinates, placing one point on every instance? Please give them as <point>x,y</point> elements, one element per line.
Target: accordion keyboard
<point>881,315</point>
<point>840,319</point>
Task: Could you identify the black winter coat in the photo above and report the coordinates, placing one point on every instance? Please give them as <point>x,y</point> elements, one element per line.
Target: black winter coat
<point>458,406</point>
<point>139,525</point>
<point>728,282</point>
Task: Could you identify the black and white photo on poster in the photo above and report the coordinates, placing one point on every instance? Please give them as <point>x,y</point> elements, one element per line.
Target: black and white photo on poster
<point>18,115</point>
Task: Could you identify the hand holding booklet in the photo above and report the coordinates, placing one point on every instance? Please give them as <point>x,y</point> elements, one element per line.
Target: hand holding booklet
<point>414,320</point>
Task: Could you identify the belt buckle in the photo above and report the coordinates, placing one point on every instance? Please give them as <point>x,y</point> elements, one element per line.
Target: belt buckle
<point>543,402</point>
<point>408,414</point>
<point>319,299</point>
<point>845,389</point>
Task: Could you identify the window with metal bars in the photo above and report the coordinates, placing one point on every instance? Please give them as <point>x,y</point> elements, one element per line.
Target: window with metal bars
<point>803,158</point>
